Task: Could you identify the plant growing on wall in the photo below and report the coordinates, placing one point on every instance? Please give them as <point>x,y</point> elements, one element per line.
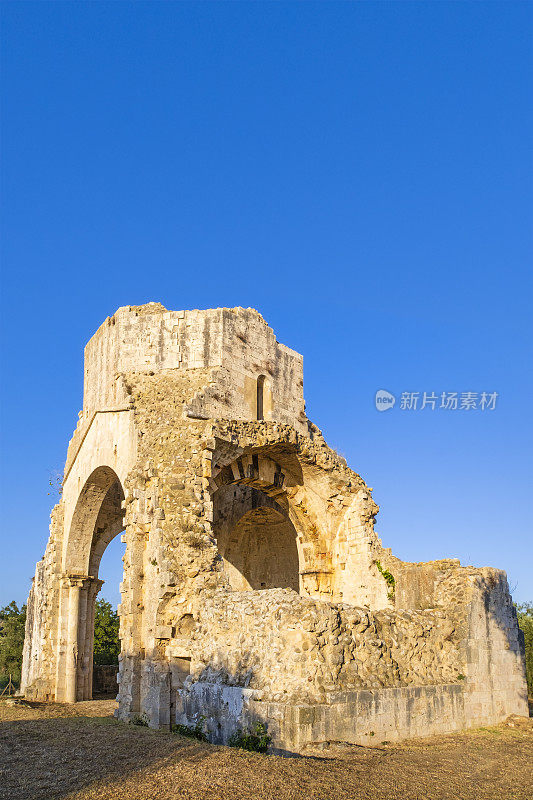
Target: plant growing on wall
<point>192,731</point>
<point>389,579</point>
<point>255,740</point>
<point>55,484</point>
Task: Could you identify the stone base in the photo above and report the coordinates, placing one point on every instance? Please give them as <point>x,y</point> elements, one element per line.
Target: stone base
<point>362,717</point>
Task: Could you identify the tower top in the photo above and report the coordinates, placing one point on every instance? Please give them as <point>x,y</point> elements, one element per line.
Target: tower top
<point>236,348</point>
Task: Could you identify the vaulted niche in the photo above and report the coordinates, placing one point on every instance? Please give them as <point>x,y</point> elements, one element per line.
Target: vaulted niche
<point>256,539</point>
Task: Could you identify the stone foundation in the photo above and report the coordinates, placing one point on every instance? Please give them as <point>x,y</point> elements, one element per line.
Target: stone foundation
<point>364,717</point>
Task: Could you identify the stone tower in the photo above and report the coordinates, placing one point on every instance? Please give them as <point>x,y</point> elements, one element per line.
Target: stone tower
<point>254,587</point>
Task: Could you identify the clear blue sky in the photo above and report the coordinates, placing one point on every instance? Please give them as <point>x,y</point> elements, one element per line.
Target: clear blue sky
<point>360,173</point>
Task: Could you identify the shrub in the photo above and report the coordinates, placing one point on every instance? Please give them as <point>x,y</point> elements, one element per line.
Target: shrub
<point>196,541</point>
<point>192,731</point>
<point>140,720</point>
<point>255,740</point>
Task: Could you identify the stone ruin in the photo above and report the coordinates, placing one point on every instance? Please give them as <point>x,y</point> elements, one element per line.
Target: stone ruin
<point>255,587</point>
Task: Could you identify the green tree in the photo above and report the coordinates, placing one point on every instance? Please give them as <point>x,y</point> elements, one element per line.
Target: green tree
<point>524,612</point>
<point>12,625</point>
<point>106,639</point>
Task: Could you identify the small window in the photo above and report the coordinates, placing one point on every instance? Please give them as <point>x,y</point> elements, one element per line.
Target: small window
<point>260,391</point>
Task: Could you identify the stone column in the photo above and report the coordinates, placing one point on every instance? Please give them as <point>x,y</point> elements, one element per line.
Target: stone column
<point>75,583</point>
<point>131,611</point>
<point>82,666</point>
<point>137,639</point>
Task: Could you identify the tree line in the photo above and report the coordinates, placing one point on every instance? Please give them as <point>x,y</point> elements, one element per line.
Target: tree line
<point>12,626</point>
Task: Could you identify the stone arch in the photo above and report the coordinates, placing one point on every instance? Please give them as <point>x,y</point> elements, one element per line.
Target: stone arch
<point>276,472</point>
<point>109,523</point>
<point>258,470</point>
<point>97,518</point>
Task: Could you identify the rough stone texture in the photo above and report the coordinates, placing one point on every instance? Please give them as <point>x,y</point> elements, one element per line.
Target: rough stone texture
<point>255,586</point>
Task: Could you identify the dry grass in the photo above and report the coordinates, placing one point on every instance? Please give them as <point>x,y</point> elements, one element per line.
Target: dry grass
<point>56,751</point>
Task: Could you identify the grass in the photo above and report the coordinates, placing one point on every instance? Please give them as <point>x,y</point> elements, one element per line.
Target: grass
<point>81,753</point>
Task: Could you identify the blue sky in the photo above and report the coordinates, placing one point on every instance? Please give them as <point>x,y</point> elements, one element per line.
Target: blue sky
<point>360,173</point>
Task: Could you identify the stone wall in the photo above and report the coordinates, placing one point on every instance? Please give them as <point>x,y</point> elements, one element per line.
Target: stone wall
<point>281,644</point>
<point>361,717</point>
<point>105,679</point>
<point>254,584</point>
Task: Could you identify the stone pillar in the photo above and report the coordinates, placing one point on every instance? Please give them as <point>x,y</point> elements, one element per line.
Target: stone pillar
<point>138,652</point>
<point>76,584</point>
<point>82,666</point>
<point>131,612</point>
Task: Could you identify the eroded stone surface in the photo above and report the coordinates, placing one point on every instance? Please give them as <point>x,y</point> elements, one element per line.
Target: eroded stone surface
<point>255,586</point>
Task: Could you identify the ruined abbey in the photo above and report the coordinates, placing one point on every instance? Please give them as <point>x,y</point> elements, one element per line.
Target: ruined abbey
<point>255,587</point>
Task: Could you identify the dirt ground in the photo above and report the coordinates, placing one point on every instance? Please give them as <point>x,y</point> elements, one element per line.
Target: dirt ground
<point>58,751</point>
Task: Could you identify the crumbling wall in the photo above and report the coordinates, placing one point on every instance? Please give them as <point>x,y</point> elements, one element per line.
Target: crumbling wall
<point>283,645</point>
<point>40,642</point>
<point>348,642</point>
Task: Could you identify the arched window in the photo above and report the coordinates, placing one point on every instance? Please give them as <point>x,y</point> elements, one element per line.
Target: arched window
<point>260,392</point>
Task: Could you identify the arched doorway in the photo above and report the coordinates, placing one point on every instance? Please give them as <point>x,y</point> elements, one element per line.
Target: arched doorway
<point>97,519</point>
